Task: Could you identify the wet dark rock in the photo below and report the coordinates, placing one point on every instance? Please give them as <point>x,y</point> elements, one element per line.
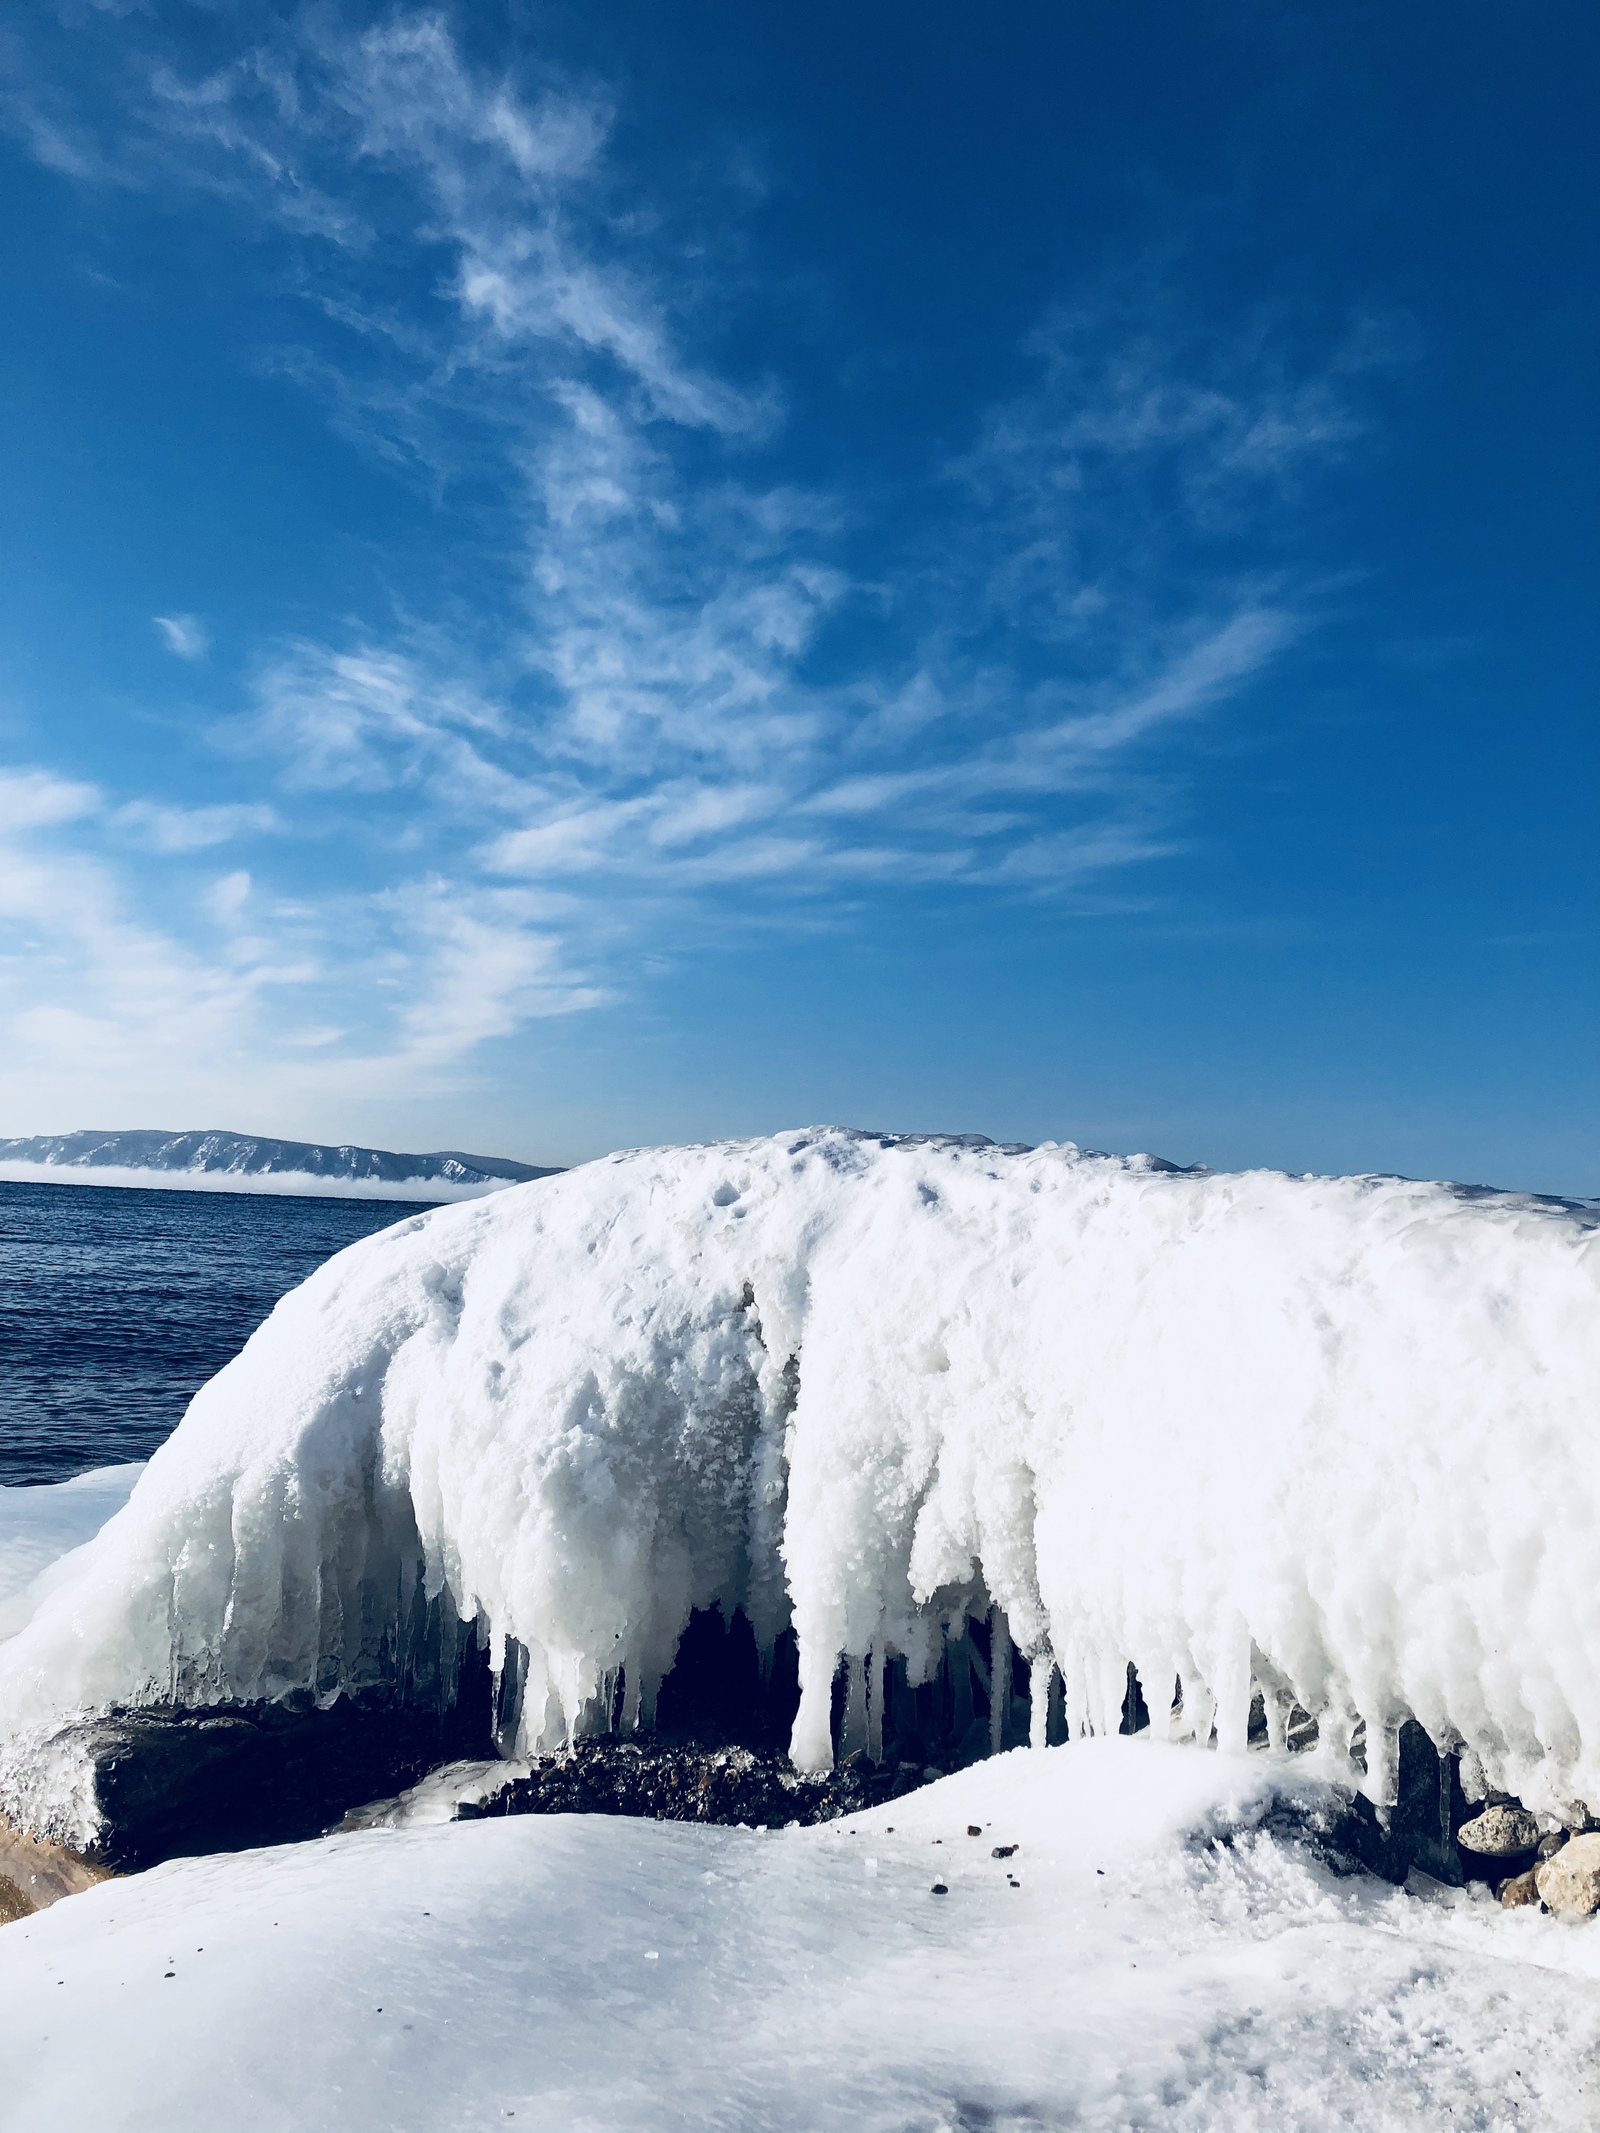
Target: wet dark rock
<point>1421,1827</point>
<point>179,1783</point>
<point>684,1782</point>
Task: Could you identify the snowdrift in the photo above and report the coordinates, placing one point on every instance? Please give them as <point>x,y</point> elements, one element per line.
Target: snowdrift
<point>1333,1439</point>
<point>1161,1949</point>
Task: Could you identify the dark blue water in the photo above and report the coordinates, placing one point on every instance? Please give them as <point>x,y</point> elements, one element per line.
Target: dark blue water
<point>116,1306</point>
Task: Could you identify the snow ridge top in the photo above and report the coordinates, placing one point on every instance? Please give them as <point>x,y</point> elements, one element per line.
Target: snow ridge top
<point>1333,1437</point>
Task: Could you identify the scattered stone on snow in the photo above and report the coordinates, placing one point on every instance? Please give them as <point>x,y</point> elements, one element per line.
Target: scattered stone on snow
<point>1570,1881</point>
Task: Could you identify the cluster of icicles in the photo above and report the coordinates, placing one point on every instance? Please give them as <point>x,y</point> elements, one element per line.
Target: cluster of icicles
<point>1329,1439</point>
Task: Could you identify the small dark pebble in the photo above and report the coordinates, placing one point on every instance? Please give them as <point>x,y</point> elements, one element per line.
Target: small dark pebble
<point>1003,1851</point>
<point>938,1889</point>
<point>973,1830</point>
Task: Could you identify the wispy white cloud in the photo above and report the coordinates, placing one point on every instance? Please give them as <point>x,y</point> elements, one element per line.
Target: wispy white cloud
<point>678,693</point>
<point>183,635</point>
<point>162,826</point>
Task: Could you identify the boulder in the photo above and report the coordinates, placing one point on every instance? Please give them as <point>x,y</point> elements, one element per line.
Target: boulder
<point>1570,1881</point>
<point>1499,1832</point>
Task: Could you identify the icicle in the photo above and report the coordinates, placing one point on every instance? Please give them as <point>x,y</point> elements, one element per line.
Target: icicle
<point>874,1683</point>
<point>999,1678</point>
<point>1381,1783</point>
<point>811,1741</point>
<point>1231,1688</point>
<point>1277,1716</point>
<point>1075,1700</point>
<point>853,1735</point>
<point>1041,1684</point>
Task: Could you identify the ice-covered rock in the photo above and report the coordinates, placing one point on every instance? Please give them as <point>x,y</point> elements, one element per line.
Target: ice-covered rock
<point>1240,1431</point>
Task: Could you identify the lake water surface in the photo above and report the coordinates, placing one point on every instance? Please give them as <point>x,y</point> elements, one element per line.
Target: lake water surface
<point>116,1306</point>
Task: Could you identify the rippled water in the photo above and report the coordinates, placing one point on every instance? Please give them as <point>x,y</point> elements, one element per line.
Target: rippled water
<point>116,1306</point>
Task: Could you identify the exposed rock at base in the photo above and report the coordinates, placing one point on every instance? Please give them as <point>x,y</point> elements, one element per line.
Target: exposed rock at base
<point>688,1783</point>
<point>180,1783</point>
<point>1570,1881</point>
<point>1521,1889</point>
<point>1418,1831</point>
<point>1500,1832</point>
<point>34,1875</point>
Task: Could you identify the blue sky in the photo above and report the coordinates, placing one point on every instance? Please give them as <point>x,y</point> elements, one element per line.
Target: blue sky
<point>584,576</point>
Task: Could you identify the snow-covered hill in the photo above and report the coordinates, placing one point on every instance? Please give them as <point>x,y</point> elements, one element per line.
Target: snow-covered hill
<point>1333,1439</point>
<point>237,1162</point>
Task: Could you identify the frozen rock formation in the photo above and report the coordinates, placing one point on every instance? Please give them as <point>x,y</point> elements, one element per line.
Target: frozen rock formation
<point>1251,1431</point>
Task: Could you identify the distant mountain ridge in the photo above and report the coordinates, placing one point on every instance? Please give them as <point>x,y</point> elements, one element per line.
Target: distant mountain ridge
<point>239,1161</point>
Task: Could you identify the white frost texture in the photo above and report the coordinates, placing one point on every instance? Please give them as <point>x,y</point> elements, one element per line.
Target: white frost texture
<point>1333,1437</point>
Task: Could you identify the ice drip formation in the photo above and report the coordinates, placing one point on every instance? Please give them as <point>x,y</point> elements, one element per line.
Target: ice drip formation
<point>1328,1440</point>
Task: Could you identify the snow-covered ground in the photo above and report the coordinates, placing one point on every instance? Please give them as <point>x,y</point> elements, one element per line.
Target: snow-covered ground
<point>39,1526</point>
<point>1158,1965</point>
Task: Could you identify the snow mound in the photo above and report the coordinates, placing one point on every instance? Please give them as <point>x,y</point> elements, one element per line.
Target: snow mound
<point>1153,1953</point>
<point>1335,1438</point>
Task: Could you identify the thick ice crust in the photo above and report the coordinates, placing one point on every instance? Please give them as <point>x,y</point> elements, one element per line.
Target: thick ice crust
<point>1333,1435</point>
